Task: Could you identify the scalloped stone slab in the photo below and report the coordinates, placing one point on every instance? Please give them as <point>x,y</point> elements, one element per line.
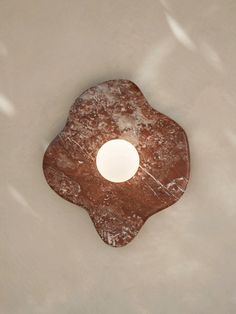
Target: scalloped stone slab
<point>111,110</point>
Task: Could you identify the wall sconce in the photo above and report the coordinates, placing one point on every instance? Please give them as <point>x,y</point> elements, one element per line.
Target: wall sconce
<point>118,158</point>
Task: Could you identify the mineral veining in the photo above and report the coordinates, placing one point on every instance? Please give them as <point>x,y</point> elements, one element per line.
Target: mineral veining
<point>111,110</point>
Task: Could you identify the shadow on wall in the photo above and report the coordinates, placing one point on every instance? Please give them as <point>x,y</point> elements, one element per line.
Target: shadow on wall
<point>181,65</point>
<point>20,199</point>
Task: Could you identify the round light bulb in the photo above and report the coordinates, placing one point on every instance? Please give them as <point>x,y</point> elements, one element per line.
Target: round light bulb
<point>117,160</point>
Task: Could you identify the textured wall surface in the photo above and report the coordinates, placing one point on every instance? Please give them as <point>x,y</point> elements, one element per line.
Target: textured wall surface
<point>182,54</point>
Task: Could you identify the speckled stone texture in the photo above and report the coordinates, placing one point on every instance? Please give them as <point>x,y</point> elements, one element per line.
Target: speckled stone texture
<point>111,110</point>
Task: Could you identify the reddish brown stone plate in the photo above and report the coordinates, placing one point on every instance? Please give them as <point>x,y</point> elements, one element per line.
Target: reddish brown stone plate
<point>117,109</point>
